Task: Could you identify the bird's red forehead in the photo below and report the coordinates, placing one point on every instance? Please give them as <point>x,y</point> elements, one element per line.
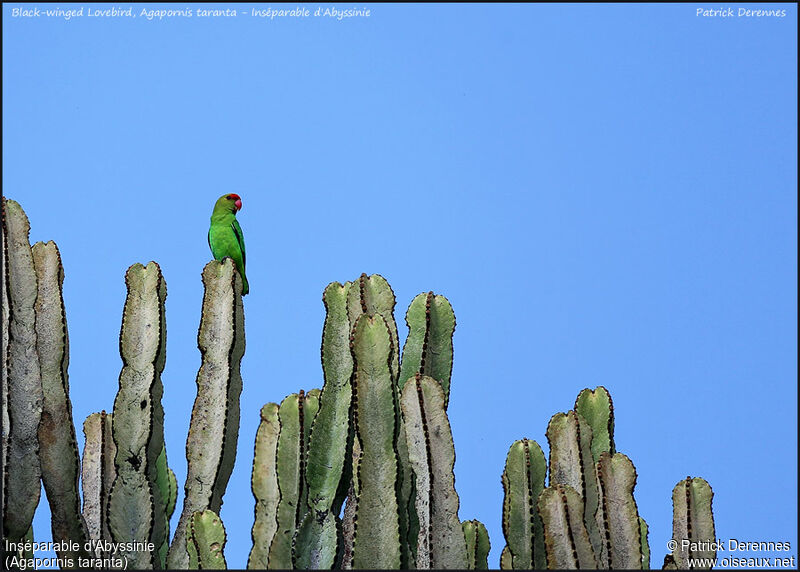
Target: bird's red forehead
<point>234,197</point>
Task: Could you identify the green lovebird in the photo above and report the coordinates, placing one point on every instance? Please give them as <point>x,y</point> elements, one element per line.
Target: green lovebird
<point>225,235</point>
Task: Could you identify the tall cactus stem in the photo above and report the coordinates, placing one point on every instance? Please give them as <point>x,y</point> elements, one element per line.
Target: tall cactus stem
<point>295,414</point>
<point>327,467</point>
<point>692,520</point>
<point>523,481</point>
<point>478,545</point>
<point>264,485</point>
<point>376,542</point>
<point>289,480</point>
<point>58,445</point>
<point>429,345</point>
<point>214,427</point>
<point>618,516</point>
<point>441,542</point>
<point>571,463</point>
<point>22,390</point>
<point>330,430</point>
<point>566,538</point>
<point>373,295</point>
<point>97,477</point>
<point>136,512</point>
<point>597,408</point>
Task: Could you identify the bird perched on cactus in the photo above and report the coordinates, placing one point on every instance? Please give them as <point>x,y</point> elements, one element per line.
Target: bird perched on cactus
<point>225,235</point>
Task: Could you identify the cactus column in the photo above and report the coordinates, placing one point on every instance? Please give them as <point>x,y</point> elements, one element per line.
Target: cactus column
<point>478,545</point>
<point>136,512</point>
<point>296,415</point>
<point>327,450</point>
<point>376,539</point>
<point>523,481</point>
<point>205,541</point>
<point>441,542</point>
<point>22,390</point>
<point>264,485</point>
<point>58,446</point>
<point>214,428</point>
<point>97,477</point>
<point>692,520</point>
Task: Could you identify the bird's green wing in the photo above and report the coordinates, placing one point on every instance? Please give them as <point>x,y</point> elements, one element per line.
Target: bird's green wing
<point>237,230</point>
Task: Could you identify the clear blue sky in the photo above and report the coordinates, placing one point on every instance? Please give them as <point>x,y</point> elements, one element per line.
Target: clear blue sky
<point>606,194</point>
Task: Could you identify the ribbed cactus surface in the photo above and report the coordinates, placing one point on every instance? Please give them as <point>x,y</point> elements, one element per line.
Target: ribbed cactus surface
<point>692,521</point>
<point>478,545</point>
<point>214,426</point>
<point>205,541</point>
<point>22,409</point>
<point>296,415</point>
<point>429,346</point>
<point>58,445</point>
<point>618,517</point>
<point>136,511</point>
<point>264,484</point>
<point>441,543</point>
<point>570,437</point>
<point>328,468</point>
<point>523,480</point>
<point>97,476</point>
<point>376,542</point>
<point>566,538</point>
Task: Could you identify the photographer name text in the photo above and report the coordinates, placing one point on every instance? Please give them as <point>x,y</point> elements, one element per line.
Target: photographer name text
<point>729,12</point>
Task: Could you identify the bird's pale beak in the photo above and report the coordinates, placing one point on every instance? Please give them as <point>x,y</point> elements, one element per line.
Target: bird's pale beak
<point>238,205</point>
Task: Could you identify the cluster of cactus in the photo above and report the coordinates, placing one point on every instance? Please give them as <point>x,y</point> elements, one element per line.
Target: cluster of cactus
<point>358,474</point>
<point>587,517</point>
<point>375,441</point>
<point>129,492</point>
